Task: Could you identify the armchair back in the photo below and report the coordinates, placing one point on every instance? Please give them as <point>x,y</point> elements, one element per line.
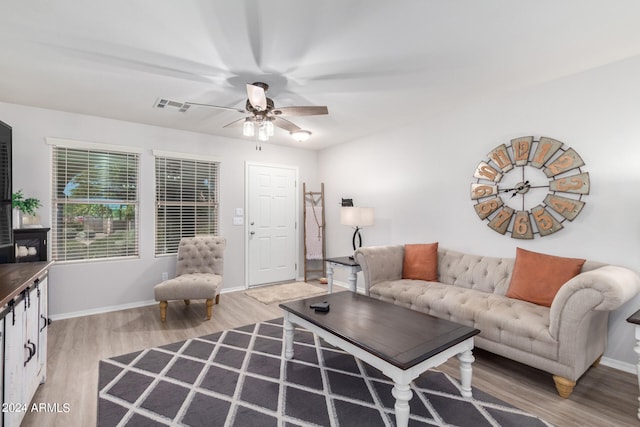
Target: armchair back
<point>202,254</point>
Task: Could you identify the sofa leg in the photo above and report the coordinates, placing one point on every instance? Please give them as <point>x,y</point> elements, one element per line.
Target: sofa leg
<point>209,308</point>
<point>163,311</point>
<point>218,299</point>
<point>564,386</point>
<point>187,302</point>
<point>597,362</point>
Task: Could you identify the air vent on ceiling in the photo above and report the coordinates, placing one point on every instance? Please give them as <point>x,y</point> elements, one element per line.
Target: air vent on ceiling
<point>168,103</point>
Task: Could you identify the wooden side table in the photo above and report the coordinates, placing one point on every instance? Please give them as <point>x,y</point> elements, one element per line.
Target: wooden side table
<point>635,319</point>
<point>343,262</point>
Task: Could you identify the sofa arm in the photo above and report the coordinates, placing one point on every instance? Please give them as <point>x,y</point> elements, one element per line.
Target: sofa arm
<point>603,289</point>
<point>380,263</point>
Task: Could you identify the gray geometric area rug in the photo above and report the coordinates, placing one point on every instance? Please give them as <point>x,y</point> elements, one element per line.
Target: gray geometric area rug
<point>240,378</point>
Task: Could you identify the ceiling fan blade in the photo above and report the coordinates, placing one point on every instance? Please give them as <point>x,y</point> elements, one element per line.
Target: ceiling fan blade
<point>285,124</point>
<point>235,123</point>
<point>257,97</point>
<point>311,110</point>
<point>216,106</point>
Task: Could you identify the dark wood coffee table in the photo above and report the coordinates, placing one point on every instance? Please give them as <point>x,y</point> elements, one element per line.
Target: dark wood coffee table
<point>401,343</point>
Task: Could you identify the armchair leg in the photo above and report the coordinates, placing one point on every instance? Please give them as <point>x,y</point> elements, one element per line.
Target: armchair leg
<point>163,311</point>
<point>597,362</point>
<point>209,308</point>
<point>218,299</point>
<point>187,302</point>
<point>564,386</point>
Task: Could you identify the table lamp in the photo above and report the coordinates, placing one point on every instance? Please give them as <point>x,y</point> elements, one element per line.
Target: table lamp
<point>356,217</point>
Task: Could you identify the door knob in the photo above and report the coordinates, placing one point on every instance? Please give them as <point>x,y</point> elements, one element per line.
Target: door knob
<point>252,233</point>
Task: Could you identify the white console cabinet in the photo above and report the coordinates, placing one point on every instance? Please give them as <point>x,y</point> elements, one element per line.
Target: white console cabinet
<point>24,347</point>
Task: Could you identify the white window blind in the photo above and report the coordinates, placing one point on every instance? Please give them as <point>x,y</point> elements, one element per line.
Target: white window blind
<point>95,204</point>
<point>186,200</point>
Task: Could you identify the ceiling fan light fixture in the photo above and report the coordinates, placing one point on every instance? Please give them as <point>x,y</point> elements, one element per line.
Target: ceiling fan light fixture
<point>248,129</point>
<point>269,126</point>
<point>263,133</point>
<point>300,135</point>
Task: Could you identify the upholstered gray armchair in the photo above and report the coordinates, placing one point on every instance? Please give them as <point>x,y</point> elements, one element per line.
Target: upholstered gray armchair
<point>198,273</point>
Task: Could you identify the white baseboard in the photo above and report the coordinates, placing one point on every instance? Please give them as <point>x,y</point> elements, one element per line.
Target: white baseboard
<point>101,310</point>
<point>616,364</point>
<point>346,286</point>
<point>108,309</point>
<point>237,288</point>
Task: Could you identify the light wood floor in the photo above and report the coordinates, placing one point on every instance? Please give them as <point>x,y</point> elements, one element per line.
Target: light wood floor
<point>602,397</point>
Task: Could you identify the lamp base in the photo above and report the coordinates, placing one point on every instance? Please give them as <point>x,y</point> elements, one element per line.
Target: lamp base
<point>353,242</point>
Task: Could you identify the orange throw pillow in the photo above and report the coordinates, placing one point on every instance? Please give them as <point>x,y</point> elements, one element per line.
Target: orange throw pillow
<point>537,278</point>
<point>421,262</point>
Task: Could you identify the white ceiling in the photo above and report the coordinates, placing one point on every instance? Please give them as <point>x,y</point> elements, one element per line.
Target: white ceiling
<point>375,63</point>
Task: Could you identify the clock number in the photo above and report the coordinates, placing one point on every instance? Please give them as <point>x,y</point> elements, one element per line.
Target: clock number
<point>546,223</point>
<point>547,147</point>
<point>500,156</point>
<point>522,226</point>
<point>485,209</point>
<point>568,208</point>
<point>566,161</point>
<point>521,148</point>
<point>479,191</point>
<point>543,219</point>
<point>500,222</point>
<point>484,171</point>
<point>578,184</point>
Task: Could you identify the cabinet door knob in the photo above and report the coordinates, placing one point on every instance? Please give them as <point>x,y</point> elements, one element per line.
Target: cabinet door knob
<point>44,323</point>
<point>30,345</point>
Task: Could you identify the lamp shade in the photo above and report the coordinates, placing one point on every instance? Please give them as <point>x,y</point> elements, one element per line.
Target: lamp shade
<point>356,216</point>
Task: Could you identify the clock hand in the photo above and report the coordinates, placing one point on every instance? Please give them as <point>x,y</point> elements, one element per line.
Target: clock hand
<point>527,186</point>
<point>522,187</point>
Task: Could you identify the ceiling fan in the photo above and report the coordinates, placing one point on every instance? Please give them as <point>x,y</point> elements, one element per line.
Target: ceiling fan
<point>263,115</point>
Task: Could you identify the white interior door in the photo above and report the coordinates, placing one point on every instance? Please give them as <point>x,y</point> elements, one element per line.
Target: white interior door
<point>271,223</point>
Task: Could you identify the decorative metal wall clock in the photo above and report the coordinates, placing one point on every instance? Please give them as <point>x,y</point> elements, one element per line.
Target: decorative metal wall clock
<point>530,187</point>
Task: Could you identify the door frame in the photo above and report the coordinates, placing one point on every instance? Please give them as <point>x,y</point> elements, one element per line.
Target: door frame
<point>296,200</point>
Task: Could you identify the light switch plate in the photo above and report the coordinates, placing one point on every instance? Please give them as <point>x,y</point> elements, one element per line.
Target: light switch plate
<point>238,220</point>
<point>239,212</point>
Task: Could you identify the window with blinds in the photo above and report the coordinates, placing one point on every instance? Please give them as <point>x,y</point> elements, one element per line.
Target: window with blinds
<point>186,200</point>
<point>95,204</point>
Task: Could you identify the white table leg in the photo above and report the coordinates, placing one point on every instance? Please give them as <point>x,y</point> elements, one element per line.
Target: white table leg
<point>288,337</point>
<point>403,394</point>
<point>329,277</point>
<point>353,279</point>
<point>466,359</point>
<point>637,350</point>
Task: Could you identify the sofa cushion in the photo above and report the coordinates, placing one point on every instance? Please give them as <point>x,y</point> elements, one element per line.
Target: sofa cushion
<point>189,286</point>
<point>511,322</point>
<point>537,277</point>
<point>420,262</point>
<point>482,273</point>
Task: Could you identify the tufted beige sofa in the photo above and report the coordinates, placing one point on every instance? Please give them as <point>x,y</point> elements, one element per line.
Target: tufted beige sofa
<point>564,340</point>
<point>199,270</point>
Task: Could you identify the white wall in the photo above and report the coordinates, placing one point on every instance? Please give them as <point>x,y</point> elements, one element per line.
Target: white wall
<point>84,287</point>
<point>417,178</point>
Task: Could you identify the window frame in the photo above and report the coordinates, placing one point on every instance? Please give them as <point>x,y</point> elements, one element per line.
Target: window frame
<point>60,143</point>
<point>215,204</point>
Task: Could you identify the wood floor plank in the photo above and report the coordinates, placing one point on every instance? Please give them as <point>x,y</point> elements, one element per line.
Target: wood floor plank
<point>603,397</point>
